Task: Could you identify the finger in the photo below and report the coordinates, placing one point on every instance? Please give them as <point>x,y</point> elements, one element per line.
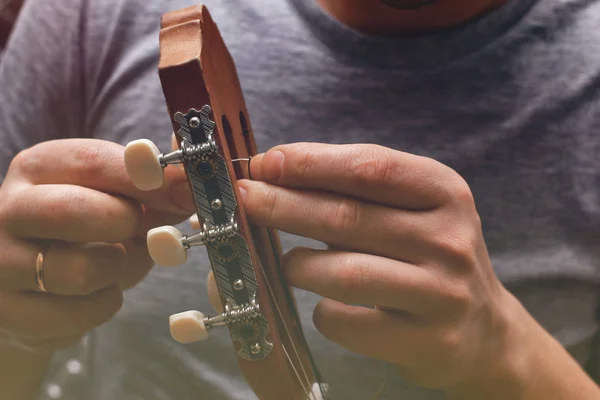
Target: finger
<point>68,269</point>
<point>83,269</point>
<point>367,172</point>
<point>44,345</point>
<point>383,335</point>
<point>362,279</point>
<point>137,266</point>
<point>99,165</point>
<point>174,145</point>
<point>152,218</point>
<point>70,213</point>
<point>46,315</point>
<point>364,227</point>
<point>139,262</point>
<point>17,264</point>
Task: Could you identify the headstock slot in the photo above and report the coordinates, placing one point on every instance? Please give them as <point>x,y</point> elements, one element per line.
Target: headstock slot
<point>197,70</point>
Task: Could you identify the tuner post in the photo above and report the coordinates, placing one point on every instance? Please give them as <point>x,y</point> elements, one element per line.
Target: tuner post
<point>193,326</point>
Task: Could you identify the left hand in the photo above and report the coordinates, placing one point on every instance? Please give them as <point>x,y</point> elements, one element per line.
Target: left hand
<point>404,236</point>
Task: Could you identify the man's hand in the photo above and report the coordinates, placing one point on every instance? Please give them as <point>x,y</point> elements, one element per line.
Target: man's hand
<point>404,237</point>
<point>73,201</point>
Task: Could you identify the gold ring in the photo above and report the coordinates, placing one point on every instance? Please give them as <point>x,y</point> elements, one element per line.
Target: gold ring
<point>39,272</point>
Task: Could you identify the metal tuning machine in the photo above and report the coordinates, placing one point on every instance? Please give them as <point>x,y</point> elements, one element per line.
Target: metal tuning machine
<point>212,128</point>
<point>227,249</point>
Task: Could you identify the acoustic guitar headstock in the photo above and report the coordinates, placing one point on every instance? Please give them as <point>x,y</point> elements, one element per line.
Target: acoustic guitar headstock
<point>212,127</point>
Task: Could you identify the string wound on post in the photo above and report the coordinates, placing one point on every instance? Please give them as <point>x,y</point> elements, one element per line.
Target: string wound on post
<point>247,159</point>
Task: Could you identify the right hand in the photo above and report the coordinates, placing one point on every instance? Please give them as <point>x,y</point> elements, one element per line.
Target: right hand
<point>73,200</point>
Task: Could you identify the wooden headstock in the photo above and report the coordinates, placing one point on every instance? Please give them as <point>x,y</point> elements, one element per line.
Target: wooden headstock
<point>212,128</point>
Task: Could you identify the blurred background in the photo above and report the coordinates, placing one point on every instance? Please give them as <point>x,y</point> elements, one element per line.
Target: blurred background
<point>9,10</point>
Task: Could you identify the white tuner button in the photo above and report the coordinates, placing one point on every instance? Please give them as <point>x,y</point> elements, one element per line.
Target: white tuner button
<point>188,327</point>
<point>143,165</point>
<point>166,247</point>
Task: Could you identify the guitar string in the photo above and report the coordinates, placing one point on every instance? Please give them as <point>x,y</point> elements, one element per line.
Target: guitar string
<point>383,384</point>
<point>272,293</point>
<point>377,393</point>
<point>287,332</point>
<point>306,390</point>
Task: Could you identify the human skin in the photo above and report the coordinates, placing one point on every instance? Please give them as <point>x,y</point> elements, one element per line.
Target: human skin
<point>54,190</point>
<point>406,16</point>
<point>76,194</point>
<point>405,237</point>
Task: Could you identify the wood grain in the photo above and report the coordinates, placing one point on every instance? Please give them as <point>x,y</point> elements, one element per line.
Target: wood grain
<point>196,69</point>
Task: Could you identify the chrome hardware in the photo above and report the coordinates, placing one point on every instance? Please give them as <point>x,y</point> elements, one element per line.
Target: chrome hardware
<point>238,285</point>
<point>234,315</point>
<point>255,348</point>
<point>195,122</point>
<point>188,152</point>
<point>210,235</point>
<point>228,251</point>
<point>216,204</point>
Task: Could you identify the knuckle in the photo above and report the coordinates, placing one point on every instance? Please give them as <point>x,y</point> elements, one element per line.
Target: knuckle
<point>450,343</point>
<point>459,245</point>
<point>121,218</point>
<point>308,163</point>
<point>27,162</point>
<point>7,212</point>
<point>127,218</point>
<point>59,203</point>
<point>74,202</point>
<point>354,273</point>
<point>372,163</point>
<point>271,202</point>
<point>87,160</point>
<point>345,217</point>
<point>458,298</point>
<point>461,192</point>
<point>83,274</point>
<point>87,276</point>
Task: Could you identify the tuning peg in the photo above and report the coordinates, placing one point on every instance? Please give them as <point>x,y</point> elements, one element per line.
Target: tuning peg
<point>192,326</point>
<point>188,327</point>
<point>144,163</point>
<point>168,246</point>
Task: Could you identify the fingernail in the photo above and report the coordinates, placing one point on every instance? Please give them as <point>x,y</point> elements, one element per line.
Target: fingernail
<point>182,197</point>
<point>272,165</point>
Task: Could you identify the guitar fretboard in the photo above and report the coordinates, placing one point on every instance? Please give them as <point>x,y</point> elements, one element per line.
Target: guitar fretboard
<point>9,10</point>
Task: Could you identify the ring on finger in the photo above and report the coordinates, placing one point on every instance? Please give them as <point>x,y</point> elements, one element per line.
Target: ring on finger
<point>39,271</point>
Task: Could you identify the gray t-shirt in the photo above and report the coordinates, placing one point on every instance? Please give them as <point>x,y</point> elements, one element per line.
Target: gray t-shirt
<point>511,101</point>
